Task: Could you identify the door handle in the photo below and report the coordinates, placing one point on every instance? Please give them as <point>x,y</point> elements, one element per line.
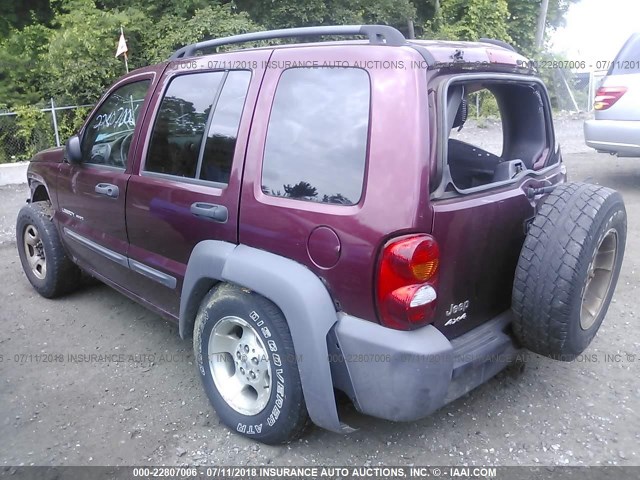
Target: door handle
<point>217,213</point>
<point>107,190</point>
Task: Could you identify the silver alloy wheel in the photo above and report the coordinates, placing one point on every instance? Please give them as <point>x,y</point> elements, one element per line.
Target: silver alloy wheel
<point>599,278</point>
<point>34,251</point>
<point>239,365</point>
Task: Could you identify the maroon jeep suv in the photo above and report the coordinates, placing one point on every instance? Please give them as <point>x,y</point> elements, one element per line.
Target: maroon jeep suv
<point>318,220</point>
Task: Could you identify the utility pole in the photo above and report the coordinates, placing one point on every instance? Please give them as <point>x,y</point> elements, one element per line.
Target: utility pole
<point>55,122</point>
<point>542,21</point>
<point>411,28</point>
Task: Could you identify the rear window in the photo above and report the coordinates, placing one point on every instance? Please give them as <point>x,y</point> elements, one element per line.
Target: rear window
<point>316,142</point>
<point>628,59</point>
<point>506,134</point>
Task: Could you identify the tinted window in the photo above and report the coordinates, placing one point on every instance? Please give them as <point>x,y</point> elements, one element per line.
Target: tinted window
<point>181,122</point>
<point>223,130</point>
<point>317,136</point>
<point>107,138</point>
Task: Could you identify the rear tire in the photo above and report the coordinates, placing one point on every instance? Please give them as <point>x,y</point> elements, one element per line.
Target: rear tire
<point>246,360</point>
<point>568,269</point>
<point>43,258</point>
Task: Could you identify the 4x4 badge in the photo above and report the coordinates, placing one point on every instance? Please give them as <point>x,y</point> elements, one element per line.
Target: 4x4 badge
<point>453,321</point>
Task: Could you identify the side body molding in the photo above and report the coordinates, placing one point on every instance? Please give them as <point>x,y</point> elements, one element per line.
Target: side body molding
<point>296,290</point>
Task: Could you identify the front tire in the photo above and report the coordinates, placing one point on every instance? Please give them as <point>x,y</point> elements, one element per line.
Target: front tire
<point>43,258</point>
<point>568,269</point>
<point>246,360</point>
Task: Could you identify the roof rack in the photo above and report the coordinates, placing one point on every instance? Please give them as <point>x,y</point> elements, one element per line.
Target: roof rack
<point>499,43</point>
<point>378,34</point>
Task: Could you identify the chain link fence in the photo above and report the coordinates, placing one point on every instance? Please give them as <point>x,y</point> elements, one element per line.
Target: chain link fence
<point>572,91</point>
<point>27,130</point>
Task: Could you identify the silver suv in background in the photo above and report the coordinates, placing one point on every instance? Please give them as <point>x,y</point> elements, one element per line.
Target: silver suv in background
<point>616,127</point>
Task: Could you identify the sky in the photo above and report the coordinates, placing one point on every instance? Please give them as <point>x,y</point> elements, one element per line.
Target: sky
<point>596,29</point>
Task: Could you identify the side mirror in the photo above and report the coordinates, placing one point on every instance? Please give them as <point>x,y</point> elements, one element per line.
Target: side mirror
<point>73,152</point>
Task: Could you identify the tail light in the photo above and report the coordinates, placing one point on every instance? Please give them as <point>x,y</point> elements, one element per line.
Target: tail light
<point>407,282</point>
<point>607,96</point>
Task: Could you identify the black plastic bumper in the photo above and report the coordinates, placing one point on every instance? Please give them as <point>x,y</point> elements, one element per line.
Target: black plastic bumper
<point>403,376</point>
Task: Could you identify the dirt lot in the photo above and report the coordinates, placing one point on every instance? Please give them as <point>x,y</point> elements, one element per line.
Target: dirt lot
<point>153,410</point>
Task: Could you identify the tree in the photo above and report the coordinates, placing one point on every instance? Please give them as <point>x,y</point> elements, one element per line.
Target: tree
<point>523,15</point>
<point>470,20</point>
<point>298,13</point>
<point>65,48</point>
<point>73,59</point>
<point>17,15</point>
<point>300,190</point>
<point>509,20</point>
<point>22,70</point>
<point>521,24</point>
<point>211,21</point>
<point>81,53</point>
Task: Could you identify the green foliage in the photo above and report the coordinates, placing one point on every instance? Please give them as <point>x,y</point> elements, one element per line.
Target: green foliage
<point>65,48</point>
<point>80,52</point>
<point>211,21</point>
<point>70,121</point>
<point>285,13</point>
<point>523,20</point>
<point>514,21</point>
<point>289,13</point>
<point>487,103</point>
<point>522,24</point>
<point>22,70</point>
<point>18,14</point>
<point>557,12</point>
<point>32,129</point>
<point>7,139</point>
<point>471,20</point>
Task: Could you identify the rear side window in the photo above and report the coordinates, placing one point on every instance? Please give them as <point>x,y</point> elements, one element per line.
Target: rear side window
<point>628,59</point>
<point>316,142</point>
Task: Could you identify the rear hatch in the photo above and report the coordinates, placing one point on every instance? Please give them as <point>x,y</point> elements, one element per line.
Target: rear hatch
<point>483,204</point>
<point>496,56</point>
<point>480,240</point>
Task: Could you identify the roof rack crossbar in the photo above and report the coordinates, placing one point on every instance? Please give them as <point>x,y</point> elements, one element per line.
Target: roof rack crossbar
<point>377,34</point>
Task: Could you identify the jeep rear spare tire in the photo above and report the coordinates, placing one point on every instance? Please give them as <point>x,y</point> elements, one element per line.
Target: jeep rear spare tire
<point>568,269</point>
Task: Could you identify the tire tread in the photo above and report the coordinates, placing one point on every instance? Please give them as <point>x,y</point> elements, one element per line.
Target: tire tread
<point>63,276</point>
<point>548,274</point>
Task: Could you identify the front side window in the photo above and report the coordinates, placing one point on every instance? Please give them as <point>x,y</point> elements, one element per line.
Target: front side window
<point>181,122</point>
<point>108,135</point>
<point>316,142</point>
<point>221,139</point>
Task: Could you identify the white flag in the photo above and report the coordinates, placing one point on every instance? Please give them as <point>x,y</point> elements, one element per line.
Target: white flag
<point>122,45</point>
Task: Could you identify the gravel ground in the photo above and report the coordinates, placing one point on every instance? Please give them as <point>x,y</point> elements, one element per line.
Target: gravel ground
<point>153,410</point>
